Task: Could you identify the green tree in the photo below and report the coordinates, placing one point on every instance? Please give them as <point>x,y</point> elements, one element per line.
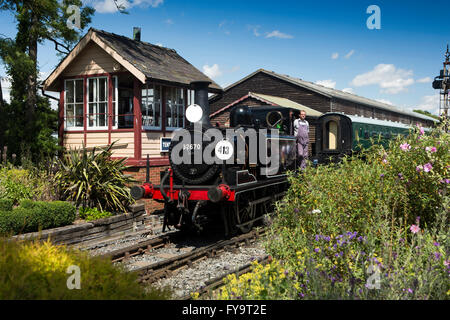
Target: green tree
<point>30,119</point>
<point>427,113</point>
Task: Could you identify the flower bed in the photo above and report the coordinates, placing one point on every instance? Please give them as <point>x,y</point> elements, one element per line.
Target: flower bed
<point>373,227</point>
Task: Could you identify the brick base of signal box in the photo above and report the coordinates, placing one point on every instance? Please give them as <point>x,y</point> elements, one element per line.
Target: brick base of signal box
<point>139,174</point>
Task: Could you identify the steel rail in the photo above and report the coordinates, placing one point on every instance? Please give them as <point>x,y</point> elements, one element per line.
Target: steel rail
<point>168,267</point>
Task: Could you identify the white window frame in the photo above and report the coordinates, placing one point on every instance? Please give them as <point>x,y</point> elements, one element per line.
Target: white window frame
<point>177,105</point>
<point>115,104</point>
<point>94,127</point>
<point>147,86</point>
<point>73,128</point>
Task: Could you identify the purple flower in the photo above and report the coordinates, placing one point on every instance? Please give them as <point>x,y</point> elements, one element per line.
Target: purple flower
<point>400,175</point>
<point>316,250</point>
<point>437,255</point>
<point>419,168</point>
<point>296,210</point>
<point>447,181</point>
<point>410,290</point>
<point>414,228</point>
<point>437,244</point>
<point>405,146</point>
<point>382,175</point>
<point>427,167</point>
<point>421,129</point>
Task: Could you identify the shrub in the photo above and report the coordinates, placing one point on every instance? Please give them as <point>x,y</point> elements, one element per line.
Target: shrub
<point>6,204</point>
<point>33,216</point>
<point>93,179</point>
<point>25,184</point>
<point>90,214</point>
<point>33,270</point>
<point>15,184</point>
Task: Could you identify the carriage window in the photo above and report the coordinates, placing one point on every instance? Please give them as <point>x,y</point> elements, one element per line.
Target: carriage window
<point>366,134</point>
<point>332,130</point>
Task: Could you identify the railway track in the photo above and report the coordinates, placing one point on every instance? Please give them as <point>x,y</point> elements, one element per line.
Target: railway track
<point>217,282</point>
<point>168,267</point>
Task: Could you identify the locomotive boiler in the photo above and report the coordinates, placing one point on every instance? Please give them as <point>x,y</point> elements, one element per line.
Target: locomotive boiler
<point>231,175</point>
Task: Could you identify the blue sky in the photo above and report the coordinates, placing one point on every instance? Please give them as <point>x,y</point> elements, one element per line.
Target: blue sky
<point>319,41</point>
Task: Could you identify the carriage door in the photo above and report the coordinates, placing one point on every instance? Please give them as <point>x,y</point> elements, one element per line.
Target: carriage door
<point>337,134</point>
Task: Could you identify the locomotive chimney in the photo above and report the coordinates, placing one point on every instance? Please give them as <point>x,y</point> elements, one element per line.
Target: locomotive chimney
<point>201,98</point>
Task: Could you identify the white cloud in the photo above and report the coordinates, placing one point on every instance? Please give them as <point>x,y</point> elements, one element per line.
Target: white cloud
<point>385,101</point>
<point>169,21</point>
<point>335,55</point>
<point>429,103</point>
<point>348,90</point>
<point>348,55</point>
<point>424,80</point>
<point>387,77</point>
<point>327,83</point>
<point>254,29</point>
<point>235,68</point>
<point>278,34</point>
<point>108,6</point>
<point>213,71</point>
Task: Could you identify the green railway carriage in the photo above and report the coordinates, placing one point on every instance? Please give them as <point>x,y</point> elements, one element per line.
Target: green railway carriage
<point>338,134</point>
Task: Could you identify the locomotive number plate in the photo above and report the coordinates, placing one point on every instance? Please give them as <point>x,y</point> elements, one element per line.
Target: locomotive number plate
<point>224,150</point>
<point>191,146</point>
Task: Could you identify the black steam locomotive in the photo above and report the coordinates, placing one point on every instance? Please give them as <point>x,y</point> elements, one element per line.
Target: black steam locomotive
<point>236,187</point>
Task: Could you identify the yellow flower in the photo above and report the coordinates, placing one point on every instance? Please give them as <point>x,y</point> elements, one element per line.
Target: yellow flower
<point>195,295</point>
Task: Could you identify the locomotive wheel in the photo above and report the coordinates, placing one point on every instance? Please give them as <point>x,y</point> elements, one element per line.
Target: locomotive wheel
<point>244,213</point>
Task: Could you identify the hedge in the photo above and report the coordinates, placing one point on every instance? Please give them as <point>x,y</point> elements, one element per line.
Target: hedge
<point>6,204</point>
<point>32,216</point>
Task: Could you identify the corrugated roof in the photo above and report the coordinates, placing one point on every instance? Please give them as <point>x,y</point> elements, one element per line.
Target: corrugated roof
<point>334,93</point>
<point>284,102</point>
